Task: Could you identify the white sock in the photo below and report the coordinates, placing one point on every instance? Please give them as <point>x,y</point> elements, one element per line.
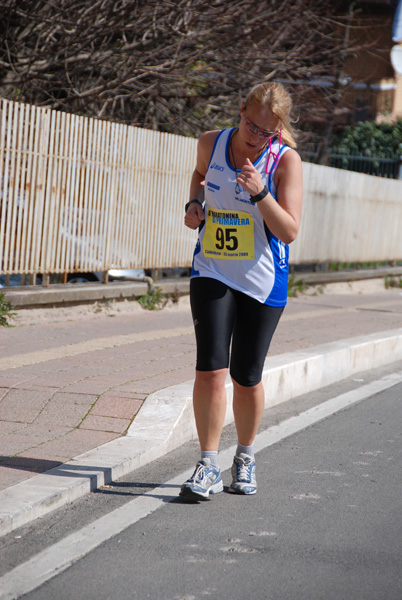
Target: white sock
<point>249,450</point>
<point>212,455</point>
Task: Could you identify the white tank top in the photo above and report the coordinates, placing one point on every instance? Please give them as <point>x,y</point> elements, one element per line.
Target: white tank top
<point>234,244</point>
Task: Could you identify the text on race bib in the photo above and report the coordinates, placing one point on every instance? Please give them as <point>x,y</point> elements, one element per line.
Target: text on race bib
<point>229,235</point>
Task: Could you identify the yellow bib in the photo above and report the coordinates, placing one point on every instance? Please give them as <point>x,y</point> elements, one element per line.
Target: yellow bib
<point>229,234</point>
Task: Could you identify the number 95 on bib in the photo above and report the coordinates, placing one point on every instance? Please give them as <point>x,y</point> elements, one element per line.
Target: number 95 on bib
<point>229,235</point>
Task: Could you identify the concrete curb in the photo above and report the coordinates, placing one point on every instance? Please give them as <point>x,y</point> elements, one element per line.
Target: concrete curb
<point>165,421</point>
<point>59,294</point>
<point>346,276</point>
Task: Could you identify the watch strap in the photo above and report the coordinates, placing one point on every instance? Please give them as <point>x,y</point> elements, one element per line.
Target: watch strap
<point>195,200</point>
<point>259,196</point>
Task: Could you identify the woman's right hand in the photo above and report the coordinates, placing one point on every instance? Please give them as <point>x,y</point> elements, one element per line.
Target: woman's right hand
<point>194,216</point>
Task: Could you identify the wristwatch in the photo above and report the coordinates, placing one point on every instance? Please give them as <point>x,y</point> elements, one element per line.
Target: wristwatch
<point>192,202</point>
<point>259,196</point>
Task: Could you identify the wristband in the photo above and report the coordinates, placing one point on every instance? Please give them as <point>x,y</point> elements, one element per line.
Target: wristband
<point>192,202</point>
<point>259,196</point>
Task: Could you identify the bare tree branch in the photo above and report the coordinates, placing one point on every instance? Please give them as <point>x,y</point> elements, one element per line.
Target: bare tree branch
<point>178,66</point>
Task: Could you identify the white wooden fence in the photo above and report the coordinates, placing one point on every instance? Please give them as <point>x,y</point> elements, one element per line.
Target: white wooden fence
<point>348,217</point>
<point>80,194</point>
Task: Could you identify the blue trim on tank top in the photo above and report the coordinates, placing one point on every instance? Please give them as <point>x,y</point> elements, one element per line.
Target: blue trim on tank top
<point>278,294</point>
<point>215,144</point>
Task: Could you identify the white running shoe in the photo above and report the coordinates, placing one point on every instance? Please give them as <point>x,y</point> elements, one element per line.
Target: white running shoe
<point>205,480</point>
<point>243,473</point>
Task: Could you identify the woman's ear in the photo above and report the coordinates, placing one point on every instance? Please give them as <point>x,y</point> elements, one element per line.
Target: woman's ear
<point>243,106</point>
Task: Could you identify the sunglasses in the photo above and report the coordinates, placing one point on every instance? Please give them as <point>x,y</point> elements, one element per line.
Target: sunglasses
<point>253,128</point>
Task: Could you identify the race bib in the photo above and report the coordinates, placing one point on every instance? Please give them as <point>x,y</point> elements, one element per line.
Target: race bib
<point>229,235</point>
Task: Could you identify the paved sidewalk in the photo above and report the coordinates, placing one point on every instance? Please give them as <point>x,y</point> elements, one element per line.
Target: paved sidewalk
<point>72,385</point>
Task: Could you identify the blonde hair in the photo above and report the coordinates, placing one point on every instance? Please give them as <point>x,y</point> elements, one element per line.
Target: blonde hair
<point>278,100</point>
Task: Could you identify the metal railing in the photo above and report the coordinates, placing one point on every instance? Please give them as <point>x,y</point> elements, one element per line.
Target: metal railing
<point>386,164</point>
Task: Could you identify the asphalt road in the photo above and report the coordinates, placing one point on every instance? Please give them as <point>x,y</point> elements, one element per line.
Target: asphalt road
<point>325,524</point>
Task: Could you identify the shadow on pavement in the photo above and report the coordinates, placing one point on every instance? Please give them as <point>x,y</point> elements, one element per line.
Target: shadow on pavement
<point>23,463</point>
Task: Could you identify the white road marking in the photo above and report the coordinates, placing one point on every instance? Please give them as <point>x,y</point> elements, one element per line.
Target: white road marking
<point>59,557</point>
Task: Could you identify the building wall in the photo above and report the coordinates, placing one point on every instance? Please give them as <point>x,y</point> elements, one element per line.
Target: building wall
<point>397,105</point>
<point>374,91</point>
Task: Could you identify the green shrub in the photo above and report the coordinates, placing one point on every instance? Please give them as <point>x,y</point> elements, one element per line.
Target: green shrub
<point>5,312</point>
<point>153,299</point>
<point>393,282</point>
<point>370,139</point>
<point>295,286</point>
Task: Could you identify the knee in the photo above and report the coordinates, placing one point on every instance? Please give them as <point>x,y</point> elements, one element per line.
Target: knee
<point>245,372</point>
<point>212,379</point>
<point>246,382</point>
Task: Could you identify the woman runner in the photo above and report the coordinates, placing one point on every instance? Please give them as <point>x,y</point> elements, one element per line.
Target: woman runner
<point>246,200</point>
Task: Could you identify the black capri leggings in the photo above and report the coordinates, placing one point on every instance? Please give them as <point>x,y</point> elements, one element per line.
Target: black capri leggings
<point>222,315</point>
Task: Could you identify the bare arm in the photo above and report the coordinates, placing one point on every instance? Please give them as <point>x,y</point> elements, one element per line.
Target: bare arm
<point>195,214</point>
<point>282,217</point>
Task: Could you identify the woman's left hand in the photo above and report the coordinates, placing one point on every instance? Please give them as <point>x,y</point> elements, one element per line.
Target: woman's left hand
<point>250,179</point>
